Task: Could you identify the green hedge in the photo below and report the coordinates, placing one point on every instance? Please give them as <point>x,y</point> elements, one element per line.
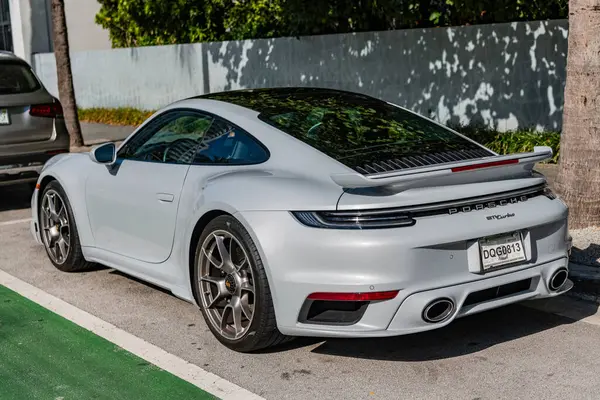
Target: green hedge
<point>501,142</point>
<point>114,116</point>
<point>133,23</point>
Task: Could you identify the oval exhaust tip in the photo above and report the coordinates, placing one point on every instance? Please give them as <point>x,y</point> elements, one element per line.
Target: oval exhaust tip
<point>558,279</point>
<point>438,310</point>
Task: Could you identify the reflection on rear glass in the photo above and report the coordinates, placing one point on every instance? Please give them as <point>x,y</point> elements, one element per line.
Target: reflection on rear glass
<point>16,78</point>
<point>362,132</point>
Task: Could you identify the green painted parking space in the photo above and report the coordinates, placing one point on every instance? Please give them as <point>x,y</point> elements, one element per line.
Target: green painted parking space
<point>44,356</point>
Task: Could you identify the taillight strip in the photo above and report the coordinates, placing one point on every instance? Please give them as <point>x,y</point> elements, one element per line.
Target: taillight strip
<point>369,296</point>
<point>485,165</point>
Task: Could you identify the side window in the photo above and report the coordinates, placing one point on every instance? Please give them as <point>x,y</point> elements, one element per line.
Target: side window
<point>171,138</point>
<point>225,143</point>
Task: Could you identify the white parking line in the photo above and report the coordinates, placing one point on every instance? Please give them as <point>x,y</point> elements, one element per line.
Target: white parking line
<point>16,221</point>
<point>177,366</point>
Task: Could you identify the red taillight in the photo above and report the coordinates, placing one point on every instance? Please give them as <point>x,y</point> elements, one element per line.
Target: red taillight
<point>485,165</point>
<point>372,296</point>
<point>51,110</point>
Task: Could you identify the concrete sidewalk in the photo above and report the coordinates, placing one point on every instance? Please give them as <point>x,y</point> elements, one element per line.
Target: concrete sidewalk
<point>99,133</point>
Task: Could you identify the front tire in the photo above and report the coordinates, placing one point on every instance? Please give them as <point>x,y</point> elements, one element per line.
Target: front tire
<point>231,287</point>
<point>59,231</point>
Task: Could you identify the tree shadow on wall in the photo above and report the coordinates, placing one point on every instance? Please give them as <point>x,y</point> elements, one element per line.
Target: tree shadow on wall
<point>502,76</point>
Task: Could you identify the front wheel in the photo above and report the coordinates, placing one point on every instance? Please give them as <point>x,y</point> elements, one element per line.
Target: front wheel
<point>232,288</point>
<point>58,230</point>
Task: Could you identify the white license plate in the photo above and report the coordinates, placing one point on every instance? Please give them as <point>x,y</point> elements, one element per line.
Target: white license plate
<point>501,250</point>
<point>4,120</point>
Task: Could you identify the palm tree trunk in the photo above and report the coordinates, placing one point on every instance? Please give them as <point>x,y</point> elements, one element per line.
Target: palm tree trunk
<point>66,90</point>
<point>578,179</point>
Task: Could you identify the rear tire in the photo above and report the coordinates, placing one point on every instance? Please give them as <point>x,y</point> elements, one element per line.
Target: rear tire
<point>59,231</point>
<point>261,329</point>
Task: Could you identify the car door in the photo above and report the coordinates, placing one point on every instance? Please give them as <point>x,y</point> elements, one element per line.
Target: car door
<point>133,205</point>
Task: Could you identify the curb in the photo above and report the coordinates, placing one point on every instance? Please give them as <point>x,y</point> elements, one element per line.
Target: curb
<point>88,145</point>
<point>97,141</point>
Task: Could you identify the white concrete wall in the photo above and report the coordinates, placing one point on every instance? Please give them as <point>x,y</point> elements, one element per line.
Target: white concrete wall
<point>32,31</point>
<point>84,33</point>
<point>20,15</point>
<point>504,76</point>
<point>139,77</point>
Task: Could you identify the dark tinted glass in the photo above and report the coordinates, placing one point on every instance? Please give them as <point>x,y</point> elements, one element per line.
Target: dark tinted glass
<point>16,78</point>
<point>6,37</point>
<point>185,137</point>
<point>225,143</point>
<point>105,153</point>
<point>359,131</point>
<point>173,137</point>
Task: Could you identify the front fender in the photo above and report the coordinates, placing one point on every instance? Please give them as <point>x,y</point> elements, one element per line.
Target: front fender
<point>70,170</point>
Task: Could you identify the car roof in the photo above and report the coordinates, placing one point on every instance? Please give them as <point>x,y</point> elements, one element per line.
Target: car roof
<point>281,91</point>
<point>258,99</point>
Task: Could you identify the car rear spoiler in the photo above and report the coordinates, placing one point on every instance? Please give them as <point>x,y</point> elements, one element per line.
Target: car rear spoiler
<point>410,176</point>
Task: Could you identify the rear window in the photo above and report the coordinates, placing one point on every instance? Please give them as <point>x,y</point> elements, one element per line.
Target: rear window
<point>17,78</point>
<point>366,134</point>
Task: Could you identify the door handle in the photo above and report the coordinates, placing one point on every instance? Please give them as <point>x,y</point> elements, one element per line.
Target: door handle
<point>165,197</point>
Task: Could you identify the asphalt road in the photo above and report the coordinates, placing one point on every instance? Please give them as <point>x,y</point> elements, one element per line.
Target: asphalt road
<point>512,353</point>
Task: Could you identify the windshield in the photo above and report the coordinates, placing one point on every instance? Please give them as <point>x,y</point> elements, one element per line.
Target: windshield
<point>17,78</point>
<point>359,131</point>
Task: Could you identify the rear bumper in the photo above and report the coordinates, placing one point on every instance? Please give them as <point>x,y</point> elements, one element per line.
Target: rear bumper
<point>475,297</point>
<point>407,317</point>
<point>23,162</point>
<point>437,257</point>
<point>24,167</point>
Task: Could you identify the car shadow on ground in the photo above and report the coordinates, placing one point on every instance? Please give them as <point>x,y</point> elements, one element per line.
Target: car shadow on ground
<point>148,284</point>
<point>589,256</point>
<point>462,337</point>
<point>15,197</point>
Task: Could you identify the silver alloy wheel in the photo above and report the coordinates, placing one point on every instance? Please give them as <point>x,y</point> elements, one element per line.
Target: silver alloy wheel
<point>55,228</point>
<point>226,284</point>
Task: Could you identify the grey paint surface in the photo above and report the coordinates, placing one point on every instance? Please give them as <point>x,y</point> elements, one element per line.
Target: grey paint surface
<point>436,257</point>
<point>503,75</point>
<point>27,138</point>
<point>510,353</point>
